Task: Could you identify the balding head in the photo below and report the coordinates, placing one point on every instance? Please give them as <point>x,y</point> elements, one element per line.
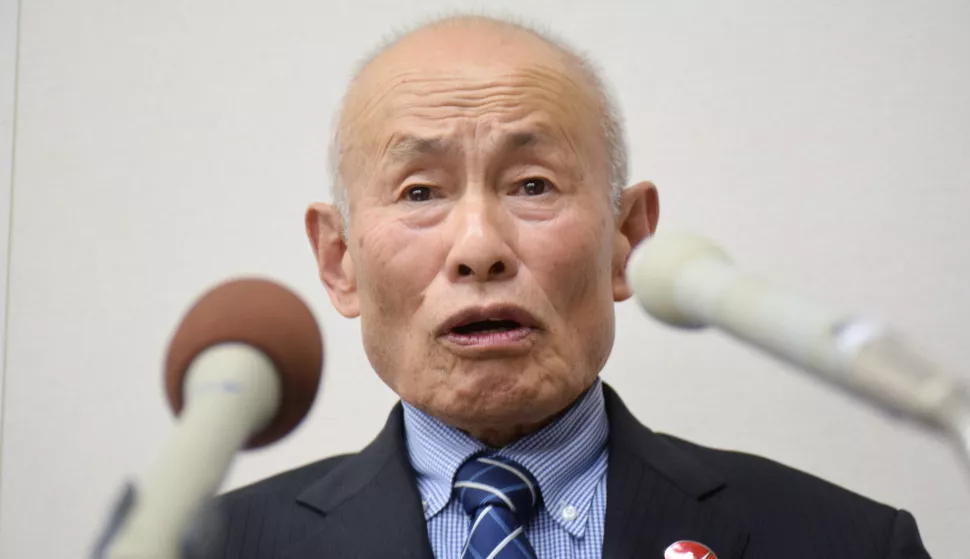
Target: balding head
<point>472,36</point>
<point>485,244</point>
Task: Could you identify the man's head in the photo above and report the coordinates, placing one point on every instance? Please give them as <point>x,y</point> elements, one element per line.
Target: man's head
<point>484,247</point>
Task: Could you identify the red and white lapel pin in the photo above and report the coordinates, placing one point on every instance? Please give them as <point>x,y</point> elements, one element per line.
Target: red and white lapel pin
<point>686,549</point>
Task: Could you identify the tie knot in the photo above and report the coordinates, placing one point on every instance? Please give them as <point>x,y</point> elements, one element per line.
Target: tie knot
<point>498,482</point>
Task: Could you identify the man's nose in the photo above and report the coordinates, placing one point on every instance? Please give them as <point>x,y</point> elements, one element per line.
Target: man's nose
<point>481,251</point>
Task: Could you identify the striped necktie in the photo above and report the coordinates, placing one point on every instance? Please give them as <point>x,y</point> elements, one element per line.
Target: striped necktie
<point>500,496</point>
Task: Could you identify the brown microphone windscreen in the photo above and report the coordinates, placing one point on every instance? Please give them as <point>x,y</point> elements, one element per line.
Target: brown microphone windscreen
<point>268,317</point>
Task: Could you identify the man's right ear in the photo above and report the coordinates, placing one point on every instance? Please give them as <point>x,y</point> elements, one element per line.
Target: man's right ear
<point>324,227</point>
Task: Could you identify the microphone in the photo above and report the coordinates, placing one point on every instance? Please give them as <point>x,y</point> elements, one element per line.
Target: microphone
<point>242,370</point>
<point>688,281</point>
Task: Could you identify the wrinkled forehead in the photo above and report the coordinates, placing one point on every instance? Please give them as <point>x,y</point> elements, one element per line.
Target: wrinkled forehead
<point>484,83</point>
<point>415,97</point>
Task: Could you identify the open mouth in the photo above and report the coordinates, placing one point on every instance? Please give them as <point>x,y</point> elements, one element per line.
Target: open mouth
<point>503,327</point>
<point>487,326</point>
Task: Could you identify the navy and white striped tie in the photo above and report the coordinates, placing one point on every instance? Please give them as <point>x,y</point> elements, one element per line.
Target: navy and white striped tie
<point>500,496</point>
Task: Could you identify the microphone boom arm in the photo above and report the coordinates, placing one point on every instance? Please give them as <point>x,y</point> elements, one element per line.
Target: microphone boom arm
<point>688,281</point>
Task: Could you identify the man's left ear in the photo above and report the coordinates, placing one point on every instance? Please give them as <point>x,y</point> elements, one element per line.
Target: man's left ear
<point>639,212</point>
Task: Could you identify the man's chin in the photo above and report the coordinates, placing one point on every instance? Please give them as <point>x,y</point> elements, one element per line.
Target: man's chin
<point>492,402</point>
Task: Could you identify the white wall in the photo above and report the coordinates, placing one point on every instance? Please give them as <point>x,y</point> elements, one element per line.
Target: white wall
<point>164,146</point>
<point>9,10</point>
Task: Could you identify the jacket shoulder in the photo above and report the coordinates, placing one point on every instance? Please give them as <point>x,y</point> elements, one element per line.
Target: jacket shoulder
<point>783,512</point>
<point>765,481</point>
<point>284,486</point>
<point>257,521</point>
<point>782,505</point>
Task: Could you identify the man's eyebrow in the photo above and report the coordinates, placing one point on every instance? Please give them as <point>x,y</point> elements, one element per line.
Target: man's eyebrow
<point>407,147</point>
<point>521,140</point>
<point>534,141</point>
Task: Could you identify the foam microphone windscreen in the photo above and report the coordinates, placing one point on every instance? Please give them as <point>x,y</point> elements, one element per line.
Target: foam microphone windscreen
<point>268,317</point>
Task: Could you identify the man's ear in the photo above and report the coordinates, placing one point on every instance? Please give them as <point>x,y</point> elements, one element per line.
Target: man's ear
<point>639,213</point>
<point>324,227</point>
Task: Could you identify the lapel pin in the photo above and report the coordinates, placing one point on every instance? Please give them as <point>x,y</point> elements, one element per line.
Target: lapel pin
<point>686,549</point>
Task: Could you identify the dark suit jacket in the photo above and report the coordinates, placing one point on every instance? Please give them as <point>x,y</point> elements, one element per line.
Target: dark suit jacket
<point>659,490</point>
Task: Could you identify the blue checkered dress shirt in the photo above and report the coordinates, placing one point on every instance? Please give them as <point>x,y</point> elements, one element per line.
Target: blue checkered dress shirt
<point>568,458</point>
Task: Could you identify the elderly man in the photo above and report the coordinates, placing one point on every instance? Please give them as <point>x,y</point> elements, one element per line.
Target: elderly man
<point>480,231</point>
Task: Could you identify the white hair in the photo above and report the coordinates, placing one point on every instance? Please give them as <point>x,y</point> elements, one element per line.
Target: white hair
<point>612,126</point>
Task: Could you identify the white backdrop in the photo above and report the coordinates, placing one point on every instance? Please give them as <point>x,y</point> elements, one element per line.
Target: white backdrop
<point>163,146</point>
<point>8,72</point>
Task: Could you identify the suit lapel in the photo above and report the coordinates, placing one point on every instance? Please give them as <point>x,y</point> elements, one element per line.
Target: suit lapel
<point>369,505</point>
<point>657,494</point>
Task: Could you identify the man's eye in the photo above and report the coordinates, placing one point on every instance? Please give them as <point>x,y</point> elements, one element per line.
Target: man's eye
<point>417,194</point>
<point>534,186</point>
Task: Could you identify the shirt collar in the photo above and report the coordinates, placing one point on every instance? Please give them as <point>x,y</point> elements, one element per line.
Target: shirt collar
<point>567,457</point>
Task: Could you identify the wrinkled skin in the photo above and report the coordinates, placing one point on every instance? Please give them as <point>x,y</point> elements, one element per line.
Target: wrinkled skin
<point>478,177</point>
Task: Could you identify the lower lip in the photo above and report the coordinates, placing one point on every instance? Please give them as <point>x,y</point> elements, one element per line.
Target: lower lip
<point>499,340</point>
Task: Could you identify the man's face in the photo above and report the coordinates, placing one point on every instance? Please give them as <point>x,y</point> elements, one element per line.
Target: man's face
<point>483,248</point>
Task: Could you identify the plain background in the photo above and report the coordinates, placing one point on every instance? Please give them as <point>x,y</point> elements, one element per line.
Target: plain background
<point>8,72</point>
<point>164,146</point>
